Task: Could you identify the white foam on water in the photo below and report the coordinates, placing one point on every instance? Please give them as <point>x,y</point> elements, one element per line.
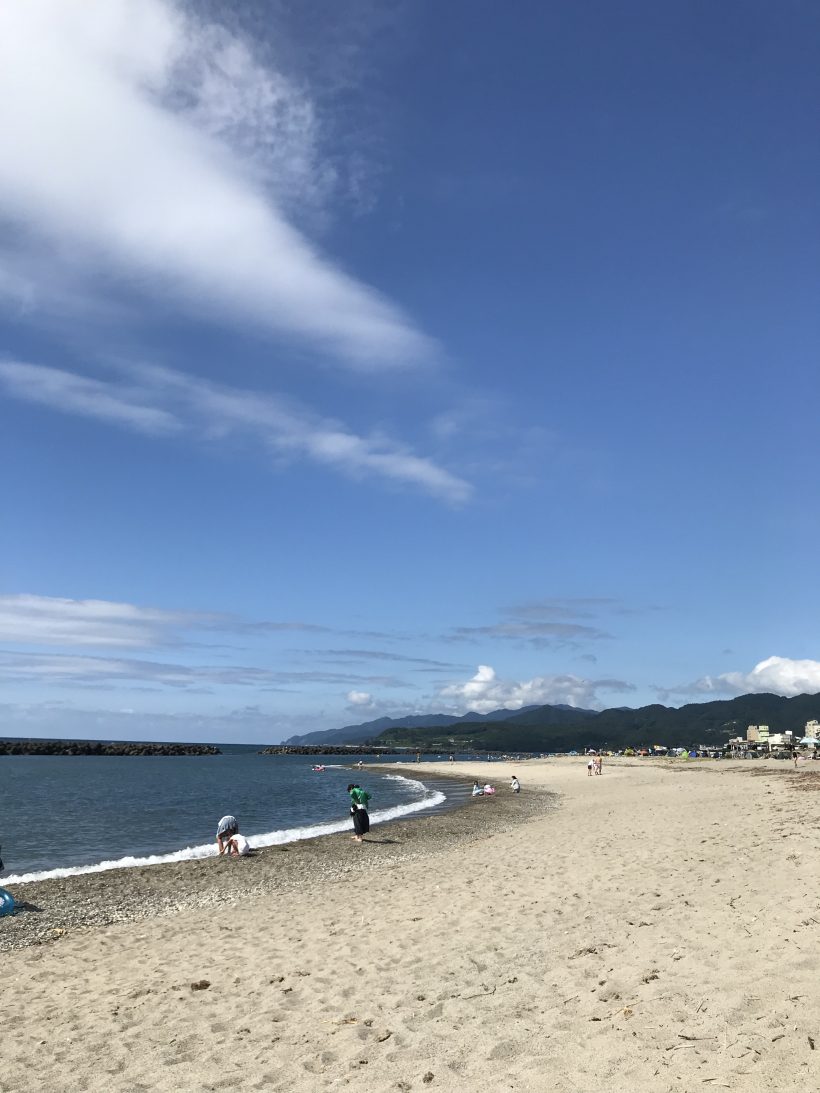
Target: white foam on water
<point>429,799</point>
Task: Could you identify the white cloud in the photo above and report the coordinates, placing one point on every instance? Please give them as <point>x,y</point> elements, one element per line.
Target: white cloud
<point>50,620</point>
<point>775,675</point>
<point>486,692</point>
<point>154,400</point>
<point>109,672</point>
<point>57,668</point>
<point>556,621</point>
<point>153,150</point>
<point>536,633</point>
<point>361,699</point>
<point>73,394</point>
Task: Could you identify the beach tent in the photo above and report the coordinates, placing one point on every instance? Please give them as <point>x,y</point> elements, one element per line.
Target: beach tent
<point>809,741</point>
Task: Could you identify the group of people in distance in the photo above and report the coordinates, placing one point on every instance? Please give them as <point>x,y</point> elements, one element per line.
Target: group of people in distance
<point>488,790</point>
<point>595,765</point>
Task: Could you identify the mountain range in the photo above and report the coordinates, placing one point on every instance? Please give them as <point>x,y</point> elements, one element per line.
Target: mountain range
<point>358,734</point>
<point>564,728</point>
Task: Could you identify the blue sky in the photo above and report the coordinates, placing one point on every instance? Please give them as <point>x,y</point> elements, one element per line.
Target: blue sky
<point>367,359</point>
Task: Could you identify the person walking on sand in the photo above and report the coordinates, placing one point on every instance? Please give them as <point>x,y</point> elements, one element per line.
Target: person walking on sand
<point>590,766</point>
<point>515,785</point>
<point>359,800</point>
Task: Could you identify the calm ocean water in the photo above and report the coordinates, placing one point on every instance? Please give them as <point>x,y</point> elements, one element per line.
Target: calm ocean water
<point>66,814</point>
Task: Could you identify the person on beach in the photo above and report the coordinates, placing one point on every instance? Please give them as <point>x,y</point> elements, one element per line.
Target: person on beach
<point>227,827</point>
<point>359,800</point>
<point>515,785</point>
<point>590,766</point>
<point>477,790</point>
<point>238,845</point>
<point>599,764</point>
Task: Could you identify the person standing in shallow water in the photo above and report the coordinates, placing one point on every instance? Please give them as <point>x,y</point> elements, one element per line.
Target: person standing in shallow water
<point>359,800</point>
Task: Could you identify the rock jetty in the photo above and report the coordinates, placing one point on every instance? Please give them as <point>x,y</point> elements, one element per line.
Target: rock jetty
<point>98,747</point>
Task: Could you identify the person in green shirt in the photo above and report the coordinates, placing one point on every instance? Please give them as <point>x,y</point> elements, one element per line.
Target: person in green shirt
<point>359,799</point>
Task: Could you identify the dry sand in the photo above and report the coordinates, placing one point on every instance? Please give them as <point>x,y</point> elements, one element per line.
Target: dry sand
<point>657,931</point>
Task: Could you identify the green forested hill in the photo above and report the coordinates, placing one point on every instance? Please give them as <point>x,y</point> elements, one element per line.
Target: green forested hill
<point>552,728</point>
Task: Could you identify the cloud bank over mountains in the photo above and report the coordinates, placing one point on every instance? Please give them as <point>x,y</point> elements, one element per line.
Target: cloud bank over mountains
<point>775,675</point>
<point>486,692</point>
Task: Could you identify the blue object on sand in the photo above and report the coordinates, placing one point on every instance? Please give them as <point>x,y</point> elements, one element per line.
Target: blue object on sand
<point>6,902</point>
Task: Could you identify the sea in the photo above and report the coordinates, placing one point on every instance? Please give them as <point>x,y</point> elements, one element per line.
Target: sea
<point>62,815</point>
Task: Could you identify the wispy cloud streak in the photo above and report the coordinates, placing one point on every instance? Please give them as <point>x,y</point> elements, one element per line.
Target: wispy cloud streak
<point>53,620</point>
<point>156,401</point>
<point>74,394</point>
<point>101,671</point>
<point>536,633</point>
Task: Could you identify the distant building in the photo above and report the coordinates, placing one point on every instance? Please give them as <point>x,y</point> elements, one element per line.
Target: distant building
<point>781,739</point>
<point>757,733</point>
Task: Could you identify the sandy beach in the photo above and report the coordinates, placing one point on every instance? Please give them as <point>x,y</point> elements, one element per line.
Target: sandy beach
<point>652,929</point>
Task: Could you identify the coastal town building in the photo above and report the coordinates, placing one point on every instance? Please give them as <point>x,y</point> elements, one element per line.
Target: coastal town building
<point>781,739</point>
<point>760,741</point>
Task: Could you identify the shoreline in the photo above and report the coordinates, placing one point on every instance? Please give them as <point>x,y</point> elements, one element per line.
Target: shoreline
<point>261,840</point>
<point>55,907</point>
